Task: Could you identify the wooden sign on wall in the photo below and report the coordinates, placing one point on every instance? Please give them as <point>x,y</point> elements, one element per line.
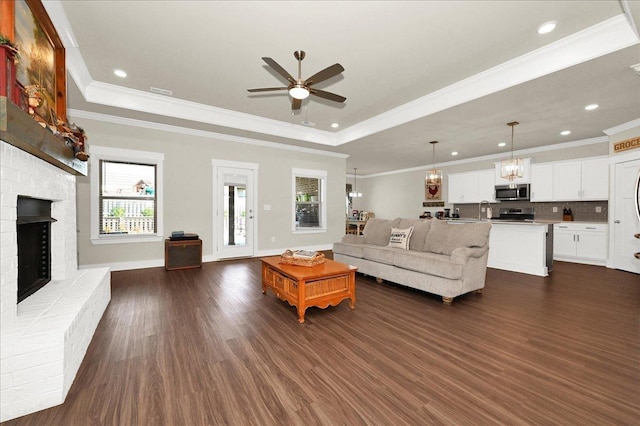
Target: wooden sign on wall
<point>625,145</point>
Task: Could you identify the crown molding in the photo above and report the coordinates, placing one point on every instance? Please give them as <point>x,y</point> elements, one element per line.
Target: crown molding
<point>603,38</point>
<point>137,100</point>
<point>629,15</point>
<point>76,114</point>
<point>493,157</point>
<point>622,127</point>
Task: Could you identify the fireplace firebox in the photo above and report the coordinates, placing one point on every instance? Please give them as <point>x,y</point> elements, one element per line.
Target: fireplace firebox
<point>34,245</point>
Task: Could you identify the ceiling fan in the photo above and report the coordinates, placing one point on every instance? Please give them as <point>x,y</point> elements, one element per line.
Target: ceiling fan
<point>300,89</point>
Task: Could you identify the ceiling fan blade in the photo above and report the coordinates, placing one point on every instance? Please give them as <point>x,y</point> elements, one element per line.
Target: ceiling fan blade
<point>273,64</point>
<point>295,104</point>
<point>266,89</point>
<point>327,95</point>
<point>325,74</point>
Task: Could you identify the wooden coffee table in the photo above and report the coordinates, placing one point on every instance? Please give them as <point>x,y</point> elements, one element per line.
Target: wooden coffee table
<point>321,285</point>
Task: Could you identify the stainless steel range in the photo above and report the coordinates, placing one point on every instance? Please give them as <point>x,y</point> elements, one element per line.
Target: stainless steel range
<point>510,213</point>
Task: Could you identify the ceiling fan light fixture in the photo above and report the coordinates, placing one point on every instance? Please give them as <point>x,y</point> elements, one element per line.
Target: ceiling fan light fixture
<point>298,91</point>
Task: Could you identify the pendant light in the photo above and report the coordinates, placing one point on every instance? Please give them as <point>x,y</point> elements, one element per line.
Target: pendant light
<point>514,168</point>
<point>355,193</point>
<point>434,176</point>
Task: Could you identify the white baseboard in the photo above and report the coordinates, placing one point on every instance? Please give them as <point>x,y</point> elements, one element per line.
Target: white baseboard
<point>155,263</point>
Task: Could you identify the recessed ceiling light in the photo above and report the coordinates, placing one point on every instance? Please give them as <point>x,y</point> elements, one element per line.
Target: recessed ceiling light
<point>454,153</point>
<point>591,107</point>
<point>335,125</point>
<point>502,144</point>
<point>565,132</point>
<point>120,73</point>
<point>547,27</point>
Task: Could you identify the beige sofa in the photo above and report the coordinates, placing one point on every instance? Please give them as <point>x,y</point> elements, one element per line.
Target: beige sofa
<point>441,258</point>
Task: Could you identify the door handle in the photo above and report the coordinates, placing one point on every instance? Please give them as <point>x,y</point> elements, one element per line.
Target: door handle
<point>616,221</point>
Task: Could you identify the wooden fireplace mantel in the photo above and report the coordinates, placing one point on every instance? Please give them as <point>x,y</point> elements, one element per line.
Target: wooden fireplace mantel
<point>20,130</point>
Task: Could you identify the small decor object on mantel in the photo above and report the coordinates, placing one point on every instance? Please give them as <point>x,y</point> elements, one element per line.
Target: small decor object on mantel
<point>302,257</point>
<point>8,58</point>
<point>75,138</point>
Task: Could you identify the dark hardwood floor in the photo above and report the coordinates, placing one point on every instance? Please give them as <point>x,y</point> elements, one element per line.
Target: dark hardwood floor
<point>205,346</point>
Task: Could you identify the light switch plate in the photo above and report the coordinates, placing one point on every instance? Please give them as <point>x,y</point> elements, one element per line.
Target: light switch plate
<point>267,207</point>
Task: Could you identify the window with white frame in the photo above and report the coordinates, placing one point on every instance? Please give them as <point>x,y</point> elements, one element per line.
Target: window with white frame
<point>309,200</point>
<point>126,195</point>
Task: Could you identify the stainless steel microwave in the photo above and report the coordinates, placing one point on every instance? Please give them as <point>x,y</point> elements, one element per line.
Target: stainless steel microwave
<point>516,192</point>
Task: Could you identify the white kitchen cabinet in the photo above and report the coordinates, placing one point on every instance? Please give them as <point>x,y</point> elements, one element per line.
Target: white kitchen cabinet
<point>455,188</point>
<point>567,180</point>
<point>581,180</point>
<point>526,173</point>
<point>471,187</point>
<point>581,242</point>
<point>595,179</point>
<point>486,185</point>
<point>541,182</point>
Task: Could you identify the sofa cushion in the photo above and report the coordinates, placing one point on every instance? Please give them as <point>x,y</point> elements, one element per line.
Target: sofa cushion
<point>429,263</point>
<point>420,231</point>
<point>379,254</point>
<point>400,238</point>
<point>444,238</point>
<point>353,250</point>
<point>378,231</point>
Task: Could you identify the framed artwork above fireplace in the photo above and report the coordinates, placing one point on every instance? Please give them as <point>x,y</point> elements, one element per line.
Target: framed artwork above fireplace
<point>41,54</point>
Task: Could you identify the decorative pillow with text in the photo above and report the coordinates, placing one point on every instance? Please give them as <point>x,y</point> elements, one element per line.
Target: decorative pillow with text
<point>400,238</point>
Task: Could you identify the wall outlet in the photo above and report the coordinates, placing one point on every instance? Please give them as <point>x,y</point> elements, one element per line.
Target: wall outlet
<point>267,207</point>
<point>598,209</point>
<point>555,209</point>
<point>273,239</point>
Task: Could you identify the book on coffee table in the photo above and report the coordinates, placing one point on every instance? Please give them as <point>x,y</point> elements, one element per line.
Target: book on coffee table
<point>304,254</point>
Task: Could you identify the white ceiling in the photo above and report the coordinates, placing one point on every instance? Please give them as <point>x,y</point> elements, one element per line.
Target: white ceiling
<point>454,71</point>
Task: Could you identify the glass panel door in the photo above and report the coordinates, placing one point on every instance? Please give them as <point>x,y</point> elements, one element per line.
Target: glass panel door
<point>235,214</point>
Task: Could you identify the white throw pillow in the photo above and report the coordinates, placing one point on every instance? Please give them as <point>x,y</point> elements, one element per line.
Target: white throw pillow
<point>400,238</point>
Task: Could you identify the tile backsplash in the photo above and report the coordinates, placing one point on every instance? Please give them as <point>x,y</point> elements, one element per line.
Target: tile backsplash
<point>583,211</point>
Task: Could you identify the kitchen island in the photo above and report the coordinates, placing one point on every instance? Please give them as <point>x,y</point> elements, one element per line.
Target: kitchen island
<point>519,246</point>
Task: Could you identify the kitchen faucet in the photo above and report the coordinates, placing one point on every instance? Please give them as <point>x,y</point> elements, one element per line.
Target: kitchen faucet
<point>480,208</point>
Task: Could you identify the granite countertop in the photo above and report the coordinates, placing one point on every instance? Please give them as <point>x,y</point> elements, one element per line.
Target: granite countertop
<point>521,222</point>
<point>503,221</point>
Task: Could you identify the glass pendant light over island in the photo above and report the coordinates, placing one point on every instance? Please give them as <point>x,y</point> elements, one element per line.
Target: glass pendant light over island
<point>434,176</point>
<point>355,193</point>
<point>514,168</point>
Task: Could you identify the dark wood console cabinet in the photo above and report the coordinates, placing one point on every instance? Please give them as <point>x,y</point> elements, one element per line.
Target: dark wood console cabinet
<point>182,254</point>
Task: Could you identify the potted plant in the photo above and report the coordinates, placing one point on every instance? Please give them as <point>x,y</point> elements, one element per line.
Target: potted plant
<point>8,44</point>
<point>8,59</point>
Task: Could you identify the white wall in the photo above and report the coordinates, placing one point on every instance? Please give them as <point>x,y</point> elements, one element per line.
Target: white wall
<point>188,188</point>
<point>401,194</point>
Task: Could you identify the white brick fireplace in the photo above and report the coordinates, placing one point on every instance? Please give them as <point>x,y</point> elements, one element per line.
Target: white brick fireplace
<point>44,338</point>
